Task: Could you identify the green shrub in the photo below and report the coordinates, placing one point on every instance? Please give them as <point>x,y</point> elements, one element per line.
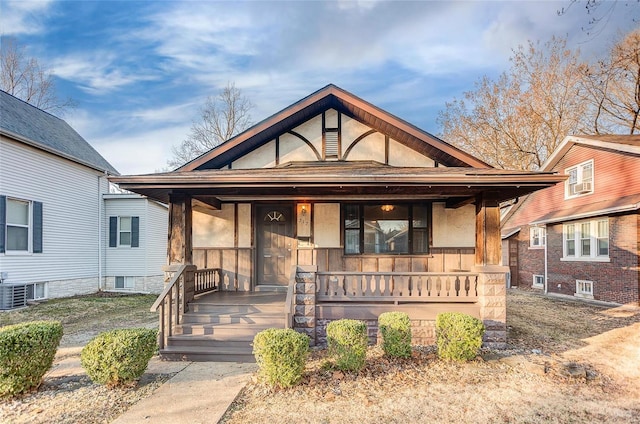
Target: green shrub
<point>396,334</point>
<point>347,343</point>
<point>26,354</point>
<point>281,355</point>
<point>459,336</point>
<point>119,357</point>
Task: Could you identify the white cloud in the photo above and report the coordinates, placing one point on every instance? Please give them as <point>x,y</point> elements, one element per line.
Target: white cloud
<point>97,72</point>
<point>22,17</point>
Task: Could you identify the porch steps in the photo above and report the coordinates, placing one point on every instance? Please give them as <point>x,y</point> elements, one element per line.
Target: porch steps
<point>211,331</point>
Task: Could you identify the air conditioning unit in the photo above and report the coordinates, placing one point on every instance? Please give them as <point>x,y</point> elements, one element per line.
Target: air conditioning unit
<point>583,188</point>
<point>13,295</point>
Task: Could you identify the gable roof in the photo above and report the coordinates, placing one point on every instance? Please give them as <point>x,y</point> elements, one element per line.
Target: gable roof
<point>620,143</point>
<point>333,97</point>
<point>32,126</point>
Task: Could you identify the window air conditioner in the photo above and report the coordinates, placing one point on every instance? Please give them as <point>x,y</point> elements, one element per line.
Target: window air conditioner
<point>583,188</point>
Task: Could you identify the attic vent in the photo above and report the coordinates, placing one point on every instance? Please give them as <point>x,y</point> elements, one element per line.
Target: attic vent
<point>331,144</point>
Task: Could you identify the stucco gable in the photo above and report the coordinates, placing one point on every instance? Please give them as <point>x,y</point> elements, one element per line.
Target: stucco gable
<point>324,106</point>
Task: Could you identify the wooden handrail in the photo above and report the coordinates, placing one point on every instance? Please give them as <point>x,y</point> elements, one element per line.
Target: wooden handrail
<point>167,288</point>
<point>290,299</point>
<point>207,280</point>
<point>173,300</point>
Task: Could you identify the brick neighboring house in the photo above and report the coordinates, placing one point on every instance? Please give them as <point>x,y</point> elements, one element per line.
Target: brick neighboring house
<point>581,238</point>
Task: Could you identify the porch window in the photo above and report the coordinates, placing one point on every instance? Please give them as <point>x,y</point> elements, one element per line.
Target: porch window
<point>395,229</point>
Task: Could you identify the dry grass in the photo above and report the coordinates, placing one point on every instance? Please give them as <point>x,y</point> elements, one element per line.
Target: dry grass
<point>513,386</point>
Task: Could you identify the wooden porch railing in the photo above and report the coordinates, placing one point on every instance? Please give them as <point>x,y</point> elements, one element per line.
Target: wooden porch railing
<point>337,286</point>
<point>173,300</point>
<point>207,280</point>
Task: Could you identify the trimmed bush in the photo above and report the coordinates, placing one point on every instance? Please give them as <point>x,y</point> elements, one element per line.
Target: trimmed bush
<point>26,354</point>
<point>396,334</point>
<point>281,355</point>
<point>459,336</point>
<point>119,357</point>
<point>347,343</point>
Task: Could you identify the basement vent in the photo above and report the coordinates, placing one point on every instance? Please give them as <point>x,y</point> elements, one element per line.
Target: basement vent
<point>331,144</point>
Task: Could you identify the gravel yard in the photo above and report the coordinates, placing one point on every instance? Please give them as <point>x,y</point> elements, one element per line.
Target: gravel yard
<point>567,362</point>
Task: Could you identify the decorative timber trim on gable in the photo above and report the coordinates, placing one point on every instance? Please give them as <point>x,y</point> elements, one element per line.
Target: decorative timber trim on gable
<point>333,97</point>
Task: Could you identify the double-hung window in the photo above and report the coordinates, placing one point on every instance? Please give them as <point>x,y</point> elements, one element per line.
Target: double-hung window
<point>580,181</point>
<point>20,226</point>
<point>124,231</point>
<point>394,229</point>
<point>586,240</point>
<point>537,237</point>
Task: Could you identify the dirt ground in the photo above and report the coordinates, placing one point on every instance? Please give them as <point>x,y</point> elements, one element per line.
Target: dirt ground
<point>567,362</point>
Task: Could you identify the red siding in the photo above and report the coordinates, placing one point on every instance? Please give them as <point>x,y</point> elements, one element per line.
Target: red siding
<point>615,175</point>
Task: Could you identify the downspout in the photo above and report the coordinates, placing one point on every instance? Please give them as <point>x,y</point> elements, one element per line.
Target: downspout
<point>546,242</point>
<point>100,224</point>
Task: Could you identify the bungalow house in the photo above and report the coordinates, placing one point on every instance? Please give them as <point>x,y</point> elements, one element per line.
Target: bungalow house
<point>581,238</point>
<point>349,209</point>
<point>54,209</point>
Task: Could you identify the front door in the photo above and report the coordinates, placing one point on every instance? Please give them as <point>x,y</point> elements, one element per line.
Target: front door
<point>275,238</point>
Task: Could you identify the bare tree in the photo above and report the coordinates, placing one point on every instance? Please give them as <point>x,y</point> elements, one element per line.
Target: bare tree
<point>516,121</point>
<point>26,79</point>
<point>599,13</point>
<point>613,85</point>
<point>221,118</point>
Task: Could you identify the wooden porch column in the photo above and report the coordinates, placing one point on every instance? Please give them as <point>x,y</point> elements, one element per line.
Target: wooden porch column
<point>488,242</point>
<point>492,281</point>
<point>179,245</point>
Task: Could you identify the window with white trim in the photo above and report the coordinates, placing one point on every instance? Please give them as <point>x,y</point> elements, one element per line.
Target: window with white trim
<point>586,240</point>
<point>537,237</point>
<point>124,231</point>
<point>18,225</point>
<point>538,281</point>
<point>37,291</point>
<point>584,288</point>
<point>580,181</point>
<point>123,282</point>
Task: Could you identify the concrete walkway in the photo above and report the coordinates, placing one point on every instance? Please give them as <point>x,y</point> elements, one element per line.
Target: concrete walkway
<point>200,393</point>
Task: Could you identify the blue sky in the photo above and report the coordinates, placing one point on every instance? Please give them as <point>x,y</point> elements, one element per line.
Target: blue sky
<point>140,70</point>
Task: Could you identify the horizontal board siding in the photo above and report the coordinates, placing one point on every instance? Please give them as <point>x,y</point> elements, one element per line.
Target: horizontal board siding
<point>70,196</point>
<point>150,256</point>
<point>615,175</point>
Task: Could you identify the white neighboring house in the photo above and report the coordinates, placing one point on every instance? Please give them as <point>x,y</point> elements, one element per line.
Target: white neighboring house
<point>135,243</point>
<point>54,196</point>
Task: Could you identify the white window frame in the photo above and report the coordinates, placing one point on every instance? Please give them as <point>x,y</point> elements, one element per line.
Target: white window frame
<point>576,177</point>
<point>29,227</point>
<point>120,244</point>
<point>538,281</point>
<point>584,289</point>
<point>128,282</point>
<point>45,291</point>
<point>579,240</point>
<point>537,237</point>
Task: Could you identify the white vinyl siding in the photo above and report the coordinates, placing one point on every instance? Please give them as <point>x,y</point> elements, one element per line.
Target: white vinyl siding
<point>150,255</point>
<point>586,240</point>
<point>70,193</point>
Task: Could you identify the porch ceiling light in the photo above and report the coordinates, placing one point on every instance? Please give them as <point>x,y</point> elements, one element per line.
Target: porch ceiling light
<point>387,208</point>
